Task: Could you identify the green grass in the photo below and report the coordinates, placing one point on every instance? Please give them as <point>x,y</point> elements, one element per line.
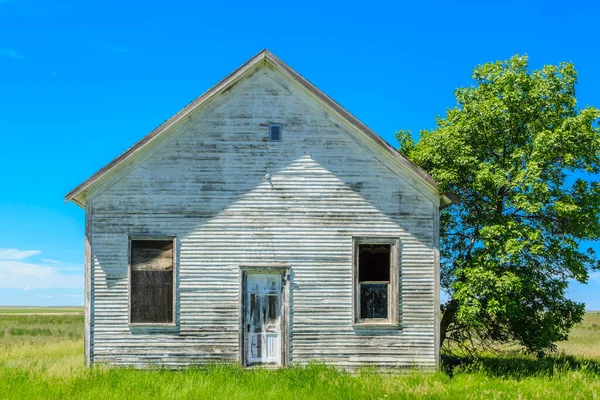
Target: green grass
<point>41,356</point>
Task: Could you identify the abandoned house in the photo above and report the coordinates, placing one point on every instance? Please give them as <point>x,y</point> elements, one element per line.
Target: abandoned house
<point>262,224</point>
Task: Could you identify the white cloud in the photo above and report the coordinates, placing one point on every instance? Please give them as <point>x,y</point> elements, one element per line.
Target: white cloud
<point>10,53</point>
<point>48,260</point>
<point>21,275</point>
<point>14,254</point>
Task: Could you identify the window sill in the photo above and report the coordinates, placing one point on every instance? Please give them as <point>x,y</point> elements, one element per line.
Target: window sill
<point>376,325</point>
<point>152,325</point>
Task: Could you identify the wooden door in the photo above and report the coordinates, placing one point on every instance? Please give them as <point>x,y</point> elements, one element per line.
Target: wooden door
<point>263,319</point>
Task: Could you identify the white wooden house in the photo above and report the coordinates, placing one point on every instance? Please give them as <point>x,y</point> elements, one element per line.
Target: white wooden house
<point>261,224</point>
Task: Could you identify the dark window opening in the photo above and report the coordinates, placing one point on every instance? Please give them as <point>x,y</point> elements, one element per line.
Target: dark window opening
<point>374,280</point>
<point>373,300</point>
<point>374,262</point>
<point>152,281</point>
<point>273,309</point>
<point>275,133</point>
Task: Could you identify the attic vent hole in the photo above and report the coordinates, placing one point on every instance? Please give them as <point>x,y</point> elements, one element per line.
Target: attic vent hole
<point>275,133</point>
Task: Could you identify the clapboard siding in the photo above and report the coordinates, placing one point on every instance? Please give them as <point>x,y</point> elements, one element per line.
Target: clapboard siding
<point>205,185</point>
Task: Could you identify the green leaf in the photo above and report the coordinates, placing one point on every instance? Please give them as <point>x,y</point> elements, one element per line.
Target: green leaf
<point>512,148</point>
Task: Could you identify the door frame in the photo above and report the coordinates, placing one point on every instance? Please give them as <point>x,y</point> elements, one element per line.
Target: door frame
<point>282,270</point>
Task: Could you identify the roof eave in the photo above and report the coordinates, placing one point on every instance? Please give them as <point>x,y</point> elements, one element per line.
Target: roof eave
<point>138,146</point>
<point>449,198</point>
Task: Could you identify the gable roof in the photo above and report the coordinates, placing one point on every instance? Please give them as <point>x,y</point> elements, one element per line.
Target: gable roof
<point>264,55</point>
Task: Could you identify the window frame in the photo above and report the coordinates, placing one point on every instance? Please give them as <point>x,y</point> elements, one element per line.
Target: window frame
<point>280,133</point>
<point>175,285</point>
<point>393,319</point>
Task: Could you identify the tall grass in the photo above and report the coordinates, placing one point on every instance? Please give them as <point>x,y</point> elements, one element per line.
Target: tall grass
<point>40,328</point>
<point>584,339</point>
<point>42,357</point>
<point>315,381</point>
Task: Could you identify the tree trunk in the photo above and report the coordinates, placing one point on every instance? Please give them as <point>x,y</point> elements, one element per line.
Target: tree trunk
<point>448,315</point>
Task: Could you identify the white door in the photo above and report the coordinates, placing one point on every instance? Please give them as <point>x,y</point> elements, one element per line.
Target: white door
<point>263,319</point>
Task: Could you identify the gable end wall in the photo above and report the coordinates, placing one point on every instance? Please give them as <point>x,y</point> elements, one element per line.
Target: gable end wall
<point>206,186</point>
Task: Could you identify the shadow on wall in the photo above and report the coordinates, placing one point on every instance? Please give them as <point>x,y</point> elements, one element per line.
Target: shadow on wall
<point>304,215</point>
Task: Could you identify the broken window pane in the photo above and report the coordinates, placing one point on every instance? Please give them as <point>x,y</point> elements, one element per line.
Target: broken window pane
<point>152,281</point>
<point>273,309</point>
<point>255,309</point>
<point>374,300</point>
<point>374,262</point>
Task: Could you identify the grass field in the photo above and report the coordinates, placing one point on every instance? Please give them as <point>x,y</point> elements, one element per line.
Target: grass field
<point>584,339</point>
<point>41,310</point>
<point>41,356</point>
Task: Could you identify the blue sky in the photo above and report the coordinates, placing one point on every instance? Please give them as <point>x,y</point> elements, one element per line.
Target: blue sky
<point>81,81</point>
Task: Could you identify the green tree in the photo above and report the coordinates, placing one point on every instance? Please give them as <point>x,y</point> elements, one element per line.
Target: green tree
<point>522,157</point>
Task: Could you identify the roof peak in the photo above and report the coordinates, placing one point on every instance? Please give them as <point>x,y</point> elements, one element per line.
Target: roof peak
<point>78,194</point>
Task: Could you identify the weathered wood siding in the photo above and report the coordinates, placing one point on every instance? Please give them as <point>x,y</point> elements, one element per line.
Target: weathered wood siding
<point>205,184</point>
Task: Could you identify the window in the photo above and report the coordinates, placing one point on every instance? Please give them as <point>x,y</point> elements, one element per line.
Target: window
<point>275,133</point>
<point>376,276</point>
<point>152,281</point>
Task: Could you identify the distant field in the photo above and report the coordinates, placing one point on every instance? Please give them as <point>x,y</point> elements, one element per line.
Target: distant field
<point>584,339</point>
<point>40,310</point>
<point>41,356</point>
<point>46,329</point>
